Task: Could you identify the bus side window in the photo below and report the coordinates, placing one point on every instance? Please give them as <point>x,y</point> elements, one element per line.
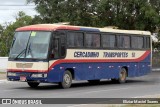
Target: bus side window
<point>55,48</point>
<point>63,44</point>
<point>58,45</point>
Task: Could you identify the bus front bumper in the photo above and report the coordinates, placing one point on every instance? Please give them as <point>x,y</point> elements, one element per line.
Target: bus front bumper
<point>25,76</point>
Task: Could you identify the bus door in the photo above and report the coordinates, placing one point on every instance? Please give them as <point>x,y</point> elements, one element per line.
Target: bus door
<point>58,46</point>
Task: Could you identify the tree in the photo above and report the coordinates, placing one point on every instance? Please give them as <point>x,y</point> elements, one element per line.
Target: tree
<point>77,12</point>
<point>125,14</point>
<point>128,14</point>
<point>7,35</point>
<point>1,38</point>
<point>51,11</point>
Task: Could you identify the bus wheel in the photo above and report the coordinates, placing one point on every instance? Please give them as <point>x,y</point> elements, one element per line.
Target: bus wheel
<point>33,84</point>
<point>67,80</point>
<point>122,76</point>
<point>93,81</point>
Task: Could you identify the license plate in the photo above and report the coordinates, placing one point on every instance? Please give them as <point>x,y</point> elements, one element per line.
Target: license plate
<point>22,78</point>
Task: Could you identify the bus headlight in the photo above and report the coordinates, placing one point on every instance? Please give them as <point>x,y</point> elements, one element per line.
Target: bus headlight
<point>39,75</point>
<point>11,74</point>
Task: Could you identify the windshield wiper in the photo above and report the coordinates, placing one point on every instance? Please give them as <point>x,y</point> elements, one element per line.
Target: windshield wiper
<point>30,50</point>
<point>20,54</point>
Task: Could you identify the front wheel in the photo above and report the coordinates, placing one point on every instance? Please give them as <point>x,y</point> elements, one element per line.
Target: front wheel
<point>33,84</point>
<point>67,80</point>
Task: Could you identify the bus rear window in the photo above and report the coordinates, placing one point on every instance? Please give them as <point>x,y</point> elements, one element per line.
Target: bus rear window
<point>148,42</point>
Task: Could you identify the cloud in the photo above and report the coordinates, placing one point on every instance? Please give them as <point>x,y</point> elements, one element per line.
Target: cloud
<point>10,8</point>
<point>13,2</point>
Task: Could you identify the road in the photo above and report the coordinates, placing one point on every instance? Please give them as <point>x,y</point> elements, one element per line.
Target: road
<point>148,85</point>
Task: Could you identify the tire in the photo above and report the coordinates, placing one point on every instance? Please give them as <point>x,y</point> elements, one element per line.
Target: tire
<point>93,81</point>
<point>67,80</point>
<point>33,84</point>
<point>122,76</point>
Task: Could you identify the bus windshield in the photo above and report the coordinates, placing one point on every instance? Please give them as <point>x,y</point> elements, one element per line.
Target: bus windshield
<point>30,44</point>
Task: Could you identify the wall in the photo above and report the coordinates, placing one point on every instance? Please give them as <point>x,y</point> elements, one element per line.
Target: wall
<point>3,64</point>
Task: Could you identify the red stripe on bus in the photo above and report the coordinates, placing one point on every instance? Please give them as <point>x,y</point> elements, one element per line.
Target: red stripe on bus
<point>26,70</point>
<point>83,60</point>
<point>46,28</point>
<point>99,60</point>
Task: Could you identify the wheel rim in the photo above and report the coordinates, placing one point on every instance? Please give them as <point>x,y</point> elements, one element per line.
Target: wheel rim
<point>123,75</point>
<point>67,79</point>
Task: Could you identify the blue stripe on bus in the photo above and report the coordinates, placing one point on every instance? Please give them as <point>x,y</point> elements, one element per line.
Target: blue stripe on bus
<point>90,29</point>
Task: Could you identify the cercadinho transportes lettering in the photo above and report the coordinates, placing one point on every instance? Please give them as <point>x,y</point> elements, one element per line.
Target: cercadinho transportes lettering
<point>115,54</point>
<point>86,54</point>
<point>96,54</point>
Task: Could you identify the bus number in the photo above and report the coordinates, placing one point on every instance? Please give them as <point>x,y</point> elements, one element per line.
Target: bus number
<point>133,54</point>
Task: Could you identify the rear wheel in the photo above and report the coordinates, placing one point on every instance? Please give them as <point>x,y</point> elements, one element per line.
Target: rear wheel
<point>122,76</point>
<point>67,80</point>
<point>33,84</point>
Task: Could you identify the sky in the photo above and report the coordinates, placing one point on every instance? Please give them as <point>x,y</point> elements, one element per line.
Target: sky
<point>10,8</point>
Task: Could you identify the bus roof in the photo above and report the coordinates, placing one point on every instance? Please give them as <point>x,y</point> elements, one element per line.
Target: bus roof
<point>53,27</point>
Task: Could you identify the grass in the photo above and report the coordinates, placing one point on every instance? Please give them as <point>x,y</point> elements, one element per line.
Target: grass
<point>2,72</point>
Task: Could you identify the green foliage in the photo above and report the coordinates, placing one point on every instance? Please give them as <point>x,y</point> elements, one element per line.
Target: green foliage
<point>7,33</point>
<point>125,14</point>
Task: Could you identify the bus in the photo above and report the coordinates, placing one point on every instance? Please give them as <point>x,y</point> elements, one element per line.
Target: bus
<point>52,53</point>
